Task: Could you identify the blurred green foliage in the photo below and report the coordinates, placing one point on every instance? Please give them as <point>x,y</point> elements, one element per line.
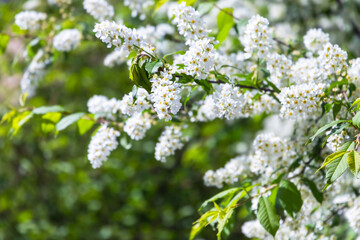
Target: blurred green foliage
<point>48,189</point>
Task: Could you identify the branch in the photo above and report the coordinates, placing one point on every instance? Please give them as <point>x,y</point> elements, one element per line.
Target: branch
<point>244,86</point>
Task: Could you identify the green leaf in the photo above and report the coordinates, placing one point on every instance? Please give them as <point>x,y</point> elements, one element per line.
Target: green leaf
<point>337,167</point>
<point>223,220</point>
<point>354,162</point>
<point>8,116</point>
<point>324,128</point>
<point>356,102</point>
<point>331,158</point>
<point>289,197</point>
<point>49,120</point>
<point>84,125</point>
<point>205,85</point>
<point>220,195</point>
<point>20,120</point>
<point>314,190</point>
<point>267,216</point>
<point>139,76</point>
<point>48,109</point>
<point>68,120</point>
<point>205,7</point>
<point>336,109</point>
<point>202,222</point>
<point>356,119</point>
<point>4,40</point>
<point>174,53</point>
<point>224,23</point>
<point>153,67</point>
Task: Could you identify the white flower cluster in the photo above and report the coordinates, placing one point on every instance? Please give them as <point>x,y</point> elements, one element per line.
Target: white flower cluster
<point>228,100</point>
<point>99,9</point>
<point>171,139</point>
<point>253,229</point>
<point>155,36</point>
<point>137,125</point>
<point>115,58</point>
<point>189,23</point>
<point>235,60</point>
<point>307,70</point>
<point>315,39</point>
<point>33,74</point>
<point>98,104</point>
<point>335,141</point>
<point>301,101</point>
<point>29,20</point>
<point>139,7</point>
<point>256,38</point>
<point>129,105</point>
<point>266,104</point>
<point>333,59</point>
<point>121,37</point>
<point>101,145</point>
<point>229,174</point>
<point>271,153</point>
<point>354,70</point>
<point>165,95</point>
<point>279,67</point>
<point>199,59</point>
<point>207,110</point>
<point>67,40</point>
<point>352,214</point>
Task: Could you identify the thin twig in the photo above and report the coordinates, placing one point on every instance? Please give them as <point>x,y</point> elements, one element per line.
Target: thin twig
<point>244,86</point>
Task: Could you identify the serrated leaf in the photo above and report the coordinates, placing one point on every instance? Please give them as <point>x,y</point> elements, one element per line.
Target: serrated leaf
<point>314,190</point>
<point>356,119</point>
<point>202,222</point>
<point>337,167</point>
<point>224,23</point>
<point>331,158</point>
<point>84,125</point>
<point>220,195</point>
<point>68,120</point>
<point>267,216</point>
<point>223,220</point>
<point>289,197</point>
<point>324,128</point>
<point>48,109</point>
<point>354,162</point>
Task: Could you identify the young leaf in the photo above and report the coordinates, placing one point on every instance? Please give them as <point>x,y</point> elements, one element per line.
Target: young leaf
<point>223,220</point>
<point>224,23</point>
<point>314,190</point>
<point>289,197</point>
<point>222,194</point>
<point>354,162</point>
<point>4,40</point>
<point>84,125</point>
<point>331,158</point>
<point>267,216</point>
<point>337,167</point>
<point>68,120</point>
<point>324,128</point>
<point>356,119</point>
<point>356,102</point>
<point>174,53</point>
<point>48,109</point>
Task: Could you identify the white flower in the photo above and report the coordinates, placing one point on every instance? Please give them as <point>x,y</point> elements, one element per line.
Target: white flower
<point>352,214</point>
<point>266,104</point>
<point>67,40</point>
<point>123,38</point>
<point>101,145</point>
<point>229,174</point>
<point>315,39</point>
<point>208,110</point>
<point>139,7</point>
<point>171,139</point>
<point>29,20</point>
<point>199,59</point>
<point>229,101</point>
<point>279,67</point>
<point>354,70</point>
<point>307,70</point>
<point>333,59</point>
<point>335,141</point>
<point>189,23</point>
<point>301,101</point>
<point>115,58</point>
<point>130,105</point>
<point>256,38</point>
<point>33,74</point>
<point>102,105</point>
<point>137,125</point>
<point>165,95</point>
<point>253,229</point>
<point>99,9</point>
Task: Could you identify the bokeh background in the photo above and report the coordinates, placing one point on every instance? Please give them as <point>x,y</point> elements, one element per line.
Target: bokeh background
<point>48,189</point>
